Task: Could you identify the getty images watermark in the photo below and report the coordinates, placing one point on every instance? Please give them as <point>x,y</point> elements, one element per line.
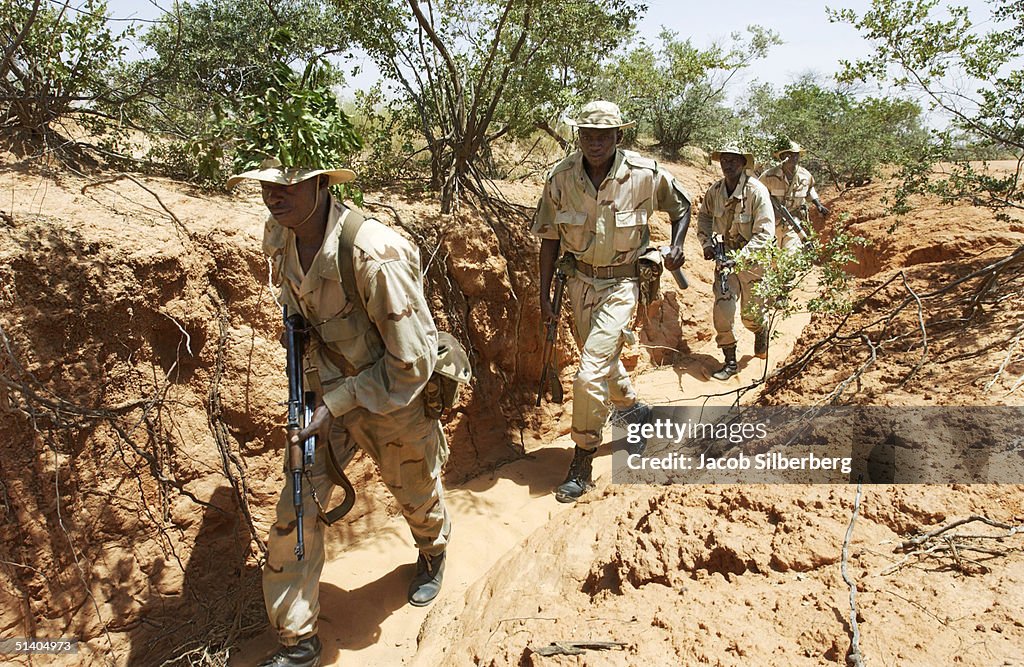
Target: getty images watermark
<point>669,430</point>
<point>833,445</point>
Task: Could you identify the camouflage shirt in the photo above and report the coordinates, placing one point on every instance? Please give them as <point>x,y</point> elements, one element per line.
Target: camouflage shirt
<point>744,219</point>
<point>793,194</point>
<point>379,359</point>
<point>609,225</point>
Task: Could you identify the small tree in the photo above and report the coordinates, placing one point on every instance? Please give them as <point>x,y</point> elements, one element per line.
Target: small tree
<point>54,66</point>
<point>476,71</point>
<point>848,139</point>
<point>209,54</point>
<point>826,255</point>
<point>678,93</point>
<point>972,75</point>
<point>211,64</point>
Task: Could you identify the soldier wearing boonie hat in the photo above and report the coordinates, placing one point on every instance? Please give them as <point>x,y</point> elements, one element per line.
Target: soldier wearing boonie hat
<point>596,208</point>
<point>792,186</point>
<point>737,209</point>
<point>368,363</point>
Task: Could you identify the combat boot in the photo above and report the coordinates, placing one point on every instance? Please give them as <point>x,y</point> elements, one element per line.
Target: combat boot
<point>427,583</point>
<point>304,654</point>
<point>761,344</point>
<point>730,368</point>
<point>638,415</point>
<point>578,481</point>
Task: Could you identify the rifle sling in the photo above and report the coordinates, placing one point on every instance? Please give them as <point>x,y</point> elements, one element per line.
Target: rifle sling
<point>346,242</point>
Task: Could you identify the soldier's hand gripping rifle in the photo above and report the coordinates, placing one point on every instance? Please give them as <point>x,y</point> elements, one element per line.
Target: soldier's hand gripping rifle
<point>300,412</point>
<point>723,265</point>
<point>788,218</point>
<point>549,344</point>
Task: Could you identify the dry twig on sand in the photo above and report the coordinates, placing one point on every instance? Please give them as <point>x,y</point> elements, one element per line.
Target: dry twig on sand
<point>952,549</point>
<point>854,658</point>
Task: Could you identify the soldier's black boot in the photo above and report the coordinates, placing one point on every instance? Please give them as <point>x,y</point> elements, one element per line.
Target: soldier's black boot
<point>638,415</point>
<point>761,343</point>
<point>427,583</point>
<point>304,654</point>
<point>578,481</point>
<point>730,368</point>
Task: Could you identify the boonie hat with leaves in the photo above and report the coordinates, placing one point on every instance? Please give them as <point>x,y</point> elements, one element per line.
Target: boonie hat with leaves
<point>734,148</point>
<point>272,171</point>
<point>599,115</point>
<point>788,146</point>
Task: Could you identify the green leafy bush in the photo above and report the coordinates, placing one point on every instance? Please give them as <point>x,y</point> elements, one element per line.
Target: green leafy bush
<point>848,139</point>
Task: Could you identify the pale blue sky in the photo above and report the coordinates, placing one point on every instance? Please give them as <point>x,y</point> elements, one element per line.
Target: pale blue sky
<point>812,43</point>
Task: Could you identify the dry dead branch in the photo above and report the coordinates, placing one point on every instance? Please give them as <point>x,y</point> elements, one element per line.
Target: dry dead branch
<point>951,550</point>
<point>881,334</point>
<point>854,658</point>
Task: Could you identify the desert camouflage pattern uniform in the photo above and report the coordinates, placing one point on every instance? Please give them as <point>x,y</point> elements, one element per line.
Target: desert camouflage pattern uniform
<point>793,195</point>
<point>607,226</point>
<point>746,221</point>
<point>370,368</point>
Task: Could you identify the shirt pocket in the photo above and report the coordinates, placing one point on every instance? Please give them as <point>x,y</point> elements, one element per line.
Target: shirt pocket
<point>745,225</point>
<point>630,227</point>
<point>572,227</point>
<point>349,336</point>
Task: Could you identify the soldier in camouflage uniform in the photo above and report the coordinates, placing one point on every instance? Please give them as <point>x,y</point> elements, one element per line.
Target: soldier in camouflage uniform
<point>792,186</point>
<point>596,208</point>
<point>368,367</point>
<point>737,209</point>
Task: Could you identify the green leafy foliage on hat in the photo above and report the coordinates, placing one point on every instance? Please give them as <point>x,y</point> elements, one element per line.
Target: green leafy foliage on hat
<point>297,120</point>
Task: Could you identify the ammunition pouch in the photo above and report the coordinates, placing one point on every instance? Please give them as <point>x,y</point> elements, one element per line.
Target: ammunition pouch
<point>567,264</point>
<point>650,265</point>
<point>451,371</point>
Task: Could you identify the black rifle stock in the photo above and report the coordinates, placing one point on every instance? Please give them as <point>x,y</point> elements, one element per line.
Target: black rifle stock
<point>300,412</point>
<point>549,344</point>
<point>791,221</point>
<point>722,266</point>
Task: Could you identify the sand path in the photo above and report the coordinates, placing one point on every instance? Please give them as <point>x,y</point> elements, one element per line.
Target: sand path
<point>364,617</point>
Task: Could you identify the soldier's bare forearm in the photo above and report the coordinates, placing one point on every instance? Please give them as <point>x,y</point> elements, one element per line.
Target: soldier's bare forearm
<point>679,229</point>
<point>548,258</point>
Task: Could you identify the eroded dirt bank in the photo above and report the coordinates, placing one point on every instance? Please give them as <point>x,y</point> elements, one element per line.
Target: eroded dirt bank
<point>139,426</point>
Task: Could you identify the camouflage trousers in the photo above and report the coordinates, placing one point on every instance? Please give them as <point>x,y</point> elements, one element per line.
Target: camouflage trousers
<point>601,321</point>
<point>740,284</point>
<point>409,450</point>
<point>787,237</point>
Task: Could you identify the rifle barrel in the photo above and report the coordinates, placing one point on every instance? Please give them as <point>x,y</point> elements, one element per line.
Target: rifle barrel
<point>298,417</point>
<point>551,337</point>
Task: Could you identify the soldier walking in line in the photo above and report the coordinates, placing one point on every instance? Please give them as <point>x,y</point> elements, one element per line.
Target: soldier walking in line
<point>792,186</point>
<point>372,347</point>
<point>737,215</point>
<point>595,211</point>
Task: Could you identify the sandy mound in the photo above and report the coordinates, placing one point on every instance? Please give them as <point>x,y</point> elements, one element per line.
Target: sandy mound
<point>742,576</point>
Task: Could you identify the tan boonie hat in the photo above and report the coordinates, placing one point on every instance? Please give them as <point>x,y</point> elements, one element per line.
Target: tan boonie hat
<point>735,149</point>
<point>789,146</point>
<point>599,115</point>
<point>271,171</point>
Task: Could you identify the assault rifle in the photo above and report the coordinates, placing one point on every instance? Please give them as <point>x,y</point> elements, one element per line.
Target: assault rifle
<point>723,265</point>
<point>300,412</point>
<point>549,344</point>
<point>788,218</point>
